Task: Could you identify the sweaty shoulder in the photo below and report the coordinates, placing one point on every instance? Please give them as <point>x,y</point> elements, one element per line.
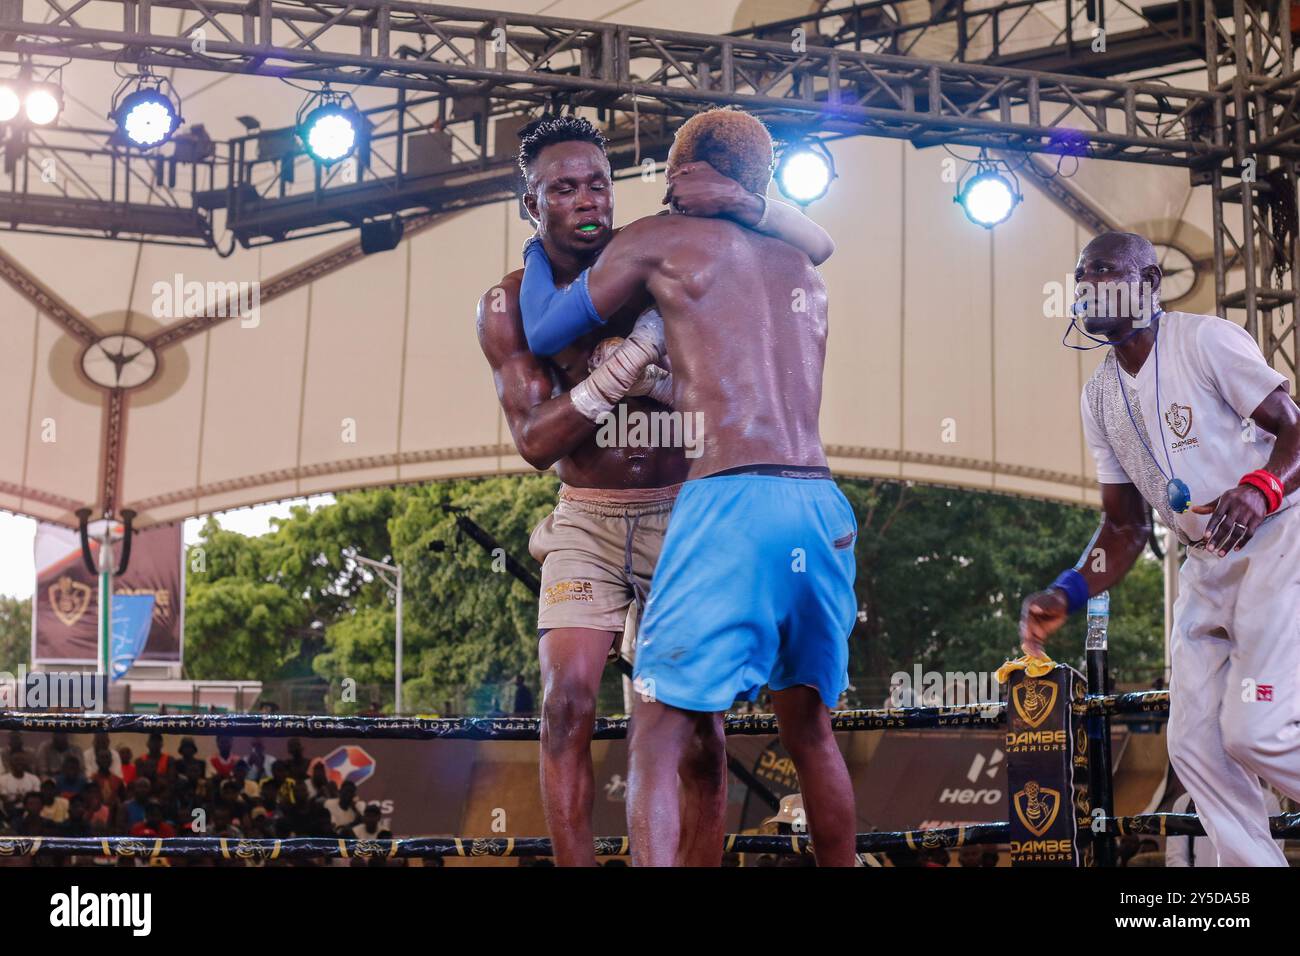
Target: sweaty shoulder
<point>698,242</point>
<point>647,227</point>
<point>507,287</point>
<point>502,299</point>
<point>499,324</point>
<point>666,229</point>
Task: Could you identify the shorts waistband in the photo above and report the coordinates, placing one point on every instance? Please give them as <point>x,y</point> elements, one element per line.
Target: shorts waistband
<point>616,502</point>
<point>775,471</point>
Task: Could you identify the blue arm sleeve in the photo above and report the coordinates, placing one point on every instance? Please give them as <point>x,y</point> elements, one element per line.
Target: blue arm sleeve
<point>553,317</point>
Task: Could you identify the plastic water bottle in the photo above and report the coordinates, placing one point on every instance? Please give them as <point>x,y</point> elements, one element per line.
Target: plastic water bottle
<point>1098,621</point>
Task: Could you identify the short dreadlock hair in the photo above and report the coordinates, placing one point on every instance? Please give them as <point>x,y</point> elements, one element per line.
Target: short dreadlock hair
<point>730,140</point>
<point>548,131</point>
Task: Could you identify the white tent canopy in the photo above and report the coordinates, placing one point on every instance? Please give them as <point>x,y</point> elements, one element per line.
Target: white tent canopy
<point>942,366</point>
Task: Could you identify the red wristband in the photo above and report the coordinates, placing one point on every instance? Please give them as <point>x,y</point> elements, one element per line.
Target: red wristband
<point>1268,484</point>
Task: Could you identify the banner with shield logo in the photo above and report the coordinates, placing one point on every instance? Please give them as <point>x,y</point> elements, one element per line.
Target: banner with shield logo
<point>66,600</point>
<point>1047,770</point>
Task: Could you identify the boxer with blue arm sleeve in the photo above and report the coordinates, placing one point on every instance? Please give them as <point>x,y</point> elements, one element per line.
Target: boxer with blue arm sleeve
<point>553,317</point>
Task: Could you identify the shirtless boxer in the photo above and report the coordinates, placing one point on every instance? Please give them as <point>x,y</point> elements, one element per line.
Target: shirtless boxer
<point>755,583</point>
<point>599,547</point>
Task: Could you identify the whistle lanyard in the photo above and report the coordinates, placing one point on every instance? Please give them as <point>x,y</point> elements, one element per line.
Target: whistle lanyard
<point>1179,495</point>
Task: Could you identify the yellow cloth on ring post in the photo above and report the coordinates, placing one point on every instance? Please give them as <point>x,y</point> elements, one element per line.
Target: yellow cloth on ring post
<point>1033,666</point>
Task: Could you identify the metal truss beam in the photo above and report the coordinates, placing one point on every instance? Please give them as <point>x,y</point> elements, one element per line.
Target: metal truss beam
<point>480,64</point>
<point>526,59</point>
<point>1251,57</point>
<point>257,219</point>
<point>499,63</point>
<point>60,215</point>
<point>1061,38</point>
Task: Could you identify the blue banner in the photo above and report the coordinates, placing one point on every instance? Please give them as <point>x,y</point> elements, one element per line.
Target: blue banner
<point>132,618</point>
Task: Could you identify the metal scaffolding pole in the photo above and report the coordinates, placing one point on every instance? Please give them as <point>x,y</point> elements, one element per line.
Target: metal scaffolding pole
<point>1251,59</point>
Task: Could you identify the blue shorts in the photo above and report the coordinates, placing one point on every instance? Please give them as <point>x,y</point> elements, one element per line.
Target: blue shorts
<point>754,586</point>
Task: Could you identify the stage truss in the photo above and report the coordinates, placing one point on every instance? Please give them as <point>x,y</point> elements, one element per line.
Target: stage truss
<point>462,78</point>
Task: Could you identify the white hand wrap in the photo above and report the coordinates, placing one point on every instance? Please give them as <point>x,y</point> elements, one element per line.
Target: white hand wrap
<point>617,375</point>
<point>655,383</point>
<point>588,402</point>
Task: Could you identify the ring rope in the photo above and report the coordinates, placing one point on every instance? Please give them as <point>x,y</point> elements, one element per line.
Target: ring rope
<point>465,728</point>
<point>1147,702</point>
<point>989,715</point>
<point>261,850</point>
<point>986,715</point>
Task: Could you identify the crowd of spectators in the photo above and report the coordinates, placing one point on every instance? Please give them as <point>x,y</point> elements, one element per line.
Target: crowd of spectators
<point>58,790</point>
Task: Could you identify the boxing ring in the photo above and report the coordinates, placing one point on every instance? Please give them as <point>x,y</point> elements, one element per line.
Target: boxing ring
<point>1093,708</point>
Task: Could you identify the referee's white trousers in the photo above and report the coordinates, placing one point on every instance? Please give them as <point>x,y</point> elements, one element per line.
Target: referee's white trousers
<point>1235,687</point>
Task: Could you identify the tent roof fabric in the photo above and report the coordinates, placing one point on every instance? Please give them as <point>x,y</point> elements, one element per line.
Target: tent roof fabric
<point>346,371</point>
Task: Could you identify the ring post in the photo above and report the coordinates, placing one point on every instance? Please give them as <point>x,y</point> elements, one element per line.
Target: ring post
<point>1100,783</point>
<point>1047,789</point>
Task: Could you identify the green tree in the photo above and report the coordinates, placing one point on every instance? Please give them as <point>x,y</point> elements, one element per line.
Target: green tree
<point>259,608</point>
<point>291,603</point>
<point>941,574</point>
<point>15,632</point>
<point>471,624</point>
<point>241,621</point>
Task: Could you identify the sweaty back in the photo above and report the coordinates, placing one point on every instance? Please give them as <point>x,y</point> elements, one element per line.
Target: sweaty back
<point>745,321</point>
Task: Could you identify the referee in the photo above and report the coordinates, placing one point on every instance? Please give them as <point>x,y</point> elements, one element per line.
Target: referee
<point>1185,417</point>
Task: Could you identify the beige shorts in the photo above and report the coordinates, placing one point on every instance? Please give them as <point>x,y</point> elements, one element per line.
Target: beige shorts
<point>598,551</point>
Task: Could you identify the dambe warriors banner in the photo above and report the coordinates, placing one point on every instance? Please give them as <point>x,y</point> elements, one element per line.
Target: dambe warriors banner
<point>1047,769</point>
<point>66,603</point>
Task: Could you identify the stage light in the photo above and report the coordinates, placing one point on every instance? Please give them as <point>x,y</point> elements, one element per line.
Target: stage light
<point>804,172</point>
<point>330,126</point>
<point>990,196</point>
<point>10,103</point>
<point>146,109</point>
<point>147,118</point>
<point>42,103</point>
<point>330,133</point>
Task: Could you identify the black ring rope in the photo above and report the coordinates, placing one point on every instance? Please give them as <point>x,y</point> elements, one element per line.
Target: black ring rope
<point>989,715</point>
<point>262,850</point>
<point>464,728</point>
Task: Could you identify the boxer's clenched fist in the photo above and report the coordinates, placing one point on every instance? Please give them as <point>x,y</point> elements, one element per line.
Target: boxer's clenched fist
<point>648,332</point>
<point>622,368</point>
<point>603,351</point>
<point>655,382</point>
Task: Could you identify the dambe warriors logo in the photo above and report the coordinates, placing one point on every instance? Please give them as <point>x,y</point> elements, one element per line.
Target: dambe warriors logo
<point>1179,418</point>
<point>1037,807</point>
<point>1034,700</point>
<point>69,600</point>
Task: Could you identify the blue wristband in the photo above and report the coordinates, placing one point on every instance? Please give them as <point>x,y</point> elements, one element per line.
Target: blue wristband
<point>553,317</point>
<point>1075,588</point>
